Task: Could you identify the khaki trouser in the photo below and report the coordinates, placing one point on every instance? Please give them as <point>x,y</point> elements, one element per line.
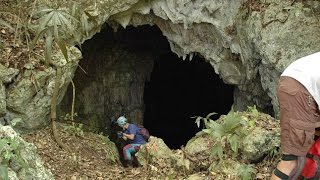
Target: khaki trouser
<point>299,116</point>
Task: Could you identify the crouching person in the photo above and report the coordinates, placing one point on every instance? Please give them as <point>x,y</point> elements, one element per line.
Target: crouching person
<point>131,134</point>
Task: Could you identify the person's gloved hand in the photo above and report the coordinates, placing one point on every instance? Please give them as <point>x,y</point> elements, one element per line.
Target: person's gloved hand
<point>120,134</point>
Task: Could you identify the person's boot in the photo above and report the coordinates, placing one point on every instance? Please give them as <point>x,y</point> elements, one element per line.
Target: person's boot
<point>129,163</point>
<point>135,162</point>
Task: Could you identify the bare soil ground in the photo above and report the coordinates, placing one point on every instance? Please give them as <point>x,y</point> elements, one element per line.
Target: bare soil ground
<point>89,160</point>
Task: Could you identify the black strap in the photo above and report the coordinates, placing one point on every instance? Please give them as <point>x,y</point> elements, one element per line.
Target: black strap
<point>280,174</point>
<point>303,178</point>
<point>295,173</point>
<point>289,157</point>
<point>311,156</point>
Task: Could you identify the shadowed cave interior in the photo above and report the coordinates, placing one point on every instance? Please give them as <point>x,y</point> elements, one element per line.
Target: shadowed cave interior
<point>179,90</point>
<point>176,90</point>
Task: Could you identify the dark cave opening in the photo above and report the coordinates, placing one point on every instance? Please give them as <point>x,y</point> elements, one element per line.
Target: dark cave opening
<point>179,90</point>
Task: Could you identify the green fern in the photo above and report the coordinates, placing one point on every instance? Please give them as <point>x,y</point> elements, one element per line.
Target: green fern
<point>228,131</point>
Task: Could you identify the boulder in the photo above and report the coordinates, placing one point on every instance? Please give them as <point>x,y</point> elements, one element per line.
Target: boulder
<point>19,158</point>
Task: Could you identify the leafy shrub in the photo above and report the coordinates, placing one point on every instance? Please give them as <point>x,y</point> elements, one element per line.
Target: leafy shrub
<point>227,134</point>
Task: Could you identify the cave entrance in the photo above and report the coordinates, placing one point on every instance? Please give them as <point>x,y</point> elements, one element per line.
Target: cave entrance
<point>133,72</point>
<point>179,90</point>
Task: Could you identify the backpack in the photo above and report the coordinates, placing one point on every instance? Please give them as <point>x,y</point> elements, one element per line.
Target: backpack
<point>144,132</point>
<point>311,169</point>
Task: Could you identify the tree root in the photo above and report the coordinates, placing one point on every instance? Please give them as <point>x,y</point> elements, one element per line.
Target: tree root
<point>53,114</point>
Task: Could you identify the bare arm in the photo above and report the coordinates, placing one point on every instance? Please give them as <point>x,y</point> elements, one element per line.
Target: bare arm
<point>128,136</point>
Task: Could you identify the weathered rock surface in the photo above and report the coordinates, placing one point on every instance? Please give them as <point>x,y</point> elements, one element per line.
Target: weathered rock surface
<point>32,168</point>
<point>248,43</point>
<point>111,85</point>
<point>256,142</point>
<point>29,96</point>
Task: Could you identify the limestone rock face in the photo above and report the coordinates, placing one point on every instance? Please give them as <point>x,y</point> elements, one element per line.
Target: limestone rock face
<point>259,143</point>
<point>248,48</point>
<point>25,152</point>
<point>155,151</point>
<point>111,86</point>
<point>270,39</point>
<point>248,43</point>
<point>28,98</point>
<point>256,141</point>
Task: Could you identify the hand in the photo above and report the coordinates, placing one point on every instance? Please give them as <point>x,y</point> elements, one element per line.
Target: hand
<point>120,134</point>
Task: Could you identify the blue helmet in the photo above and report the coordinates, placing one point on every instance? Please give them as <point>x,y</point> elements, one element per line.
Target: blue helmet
<point>121,121</point>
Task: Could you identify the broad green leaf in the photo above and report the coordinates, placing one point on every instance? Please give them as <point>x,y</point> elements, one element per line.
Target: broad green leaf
<point>217,151</point>
<point>200,133</point>
<point>45,20</point>
<point>55,21</point>
<point>216,128</point>
<point>234,141</point>
<point>231,122</point>
<point>65,22</point>
<point>67,15</point>
<point>208,131</point>
<point>48,48</point>
<point>62,45</point>
<point>211,123</point>
<point>84,24</point>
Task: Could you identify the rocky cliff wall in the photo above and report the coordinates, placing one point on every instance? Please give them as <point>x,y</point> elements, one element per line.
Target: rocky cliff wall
<point>249,43</point>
